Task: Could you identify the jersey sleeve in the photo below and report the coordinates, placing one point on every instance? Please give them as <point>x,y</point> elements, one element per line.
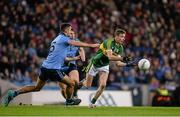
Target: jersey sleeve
<point>103,47</point>
<point>106,45</point>
<point>66,40</point>
<point>121,50</point>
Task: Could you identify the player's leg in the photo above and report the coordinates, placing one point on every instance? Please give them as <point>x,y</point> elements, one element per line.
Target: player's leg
<point>103,76</point>
<point>11,94</point>
<point>74,75</point>
<point>63,89</point>
<point>88,81</point>
<point>70,86</point>
<point>69,91</point>
<point>91,71</point>
<point>40,83</point>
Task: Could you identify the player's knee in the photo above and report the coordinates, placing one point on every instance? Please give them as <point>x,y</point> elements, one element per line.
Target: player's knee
<point>76,81</point>
<point>63,88</point>
<point>88,85</point>
<point>71,84</point>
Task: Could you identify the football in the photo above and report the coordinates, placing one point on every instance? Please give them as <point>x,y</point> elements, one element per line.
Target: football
<point>144,64</point>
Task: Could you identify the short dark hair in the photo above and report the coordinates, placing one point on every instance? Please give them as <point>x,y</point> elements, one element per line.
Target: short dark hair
<point>64,26</point>
<point>119,31</point>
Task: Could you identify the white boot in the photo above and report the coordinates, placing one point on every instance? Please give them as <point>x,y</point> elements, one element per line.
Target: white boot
<point>92,105</point>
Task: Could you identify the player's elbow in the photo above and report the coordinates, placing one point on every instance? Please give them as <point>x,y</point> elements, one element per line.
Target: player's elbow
<point>66,59</point>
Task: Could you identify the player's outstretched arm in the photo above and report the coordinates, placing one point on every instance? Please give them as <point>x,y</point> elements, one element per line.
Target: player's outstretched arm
<point>112,57</point>
<point>120,64</point>
<point>83,44</point>
<point>127,64</point>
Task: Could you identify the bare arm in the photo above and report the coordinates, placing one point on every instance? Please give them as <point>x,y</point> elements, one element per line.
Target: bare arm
<point>82,44</point>
<point>116,58</point>
<point>112,57</point>
<point>120,64</point>
<point>82,54</point>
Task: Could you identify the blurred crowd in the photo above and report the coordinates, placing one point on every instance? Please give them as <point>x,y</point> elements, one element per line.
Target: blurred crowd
<point>28,26</point>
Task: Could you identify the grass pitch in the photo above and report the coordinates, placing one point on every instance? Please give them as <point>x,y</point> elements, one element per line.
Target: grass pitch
<point>85,111</point>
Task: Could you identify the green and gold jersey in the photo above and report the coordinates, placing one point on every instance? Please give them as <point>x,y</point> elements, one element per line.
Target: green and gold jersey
<point>100,59</point>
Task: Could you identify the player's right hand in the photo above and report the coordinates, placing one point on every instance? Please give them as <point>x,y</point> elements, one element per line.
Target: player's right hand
<point>95,45</point>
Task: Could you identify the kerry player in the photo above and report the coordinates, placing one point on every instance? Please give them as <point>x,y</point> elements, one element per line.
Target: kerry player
<point>109,50</point>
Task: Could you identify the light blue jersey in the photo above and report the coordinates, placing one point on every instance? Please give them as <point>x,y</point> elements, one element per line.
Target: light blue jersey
<point>72,52</point>
<point>57,52</point>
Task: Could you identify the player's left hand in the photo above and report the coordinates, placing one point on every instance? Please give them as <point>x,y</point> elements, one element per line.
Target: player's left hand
<point>127,59</point>
<point>132,63</point>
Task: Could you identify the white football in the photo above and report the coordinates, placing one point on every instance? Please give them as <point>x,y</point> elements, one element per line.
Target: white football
<point>144,64</point>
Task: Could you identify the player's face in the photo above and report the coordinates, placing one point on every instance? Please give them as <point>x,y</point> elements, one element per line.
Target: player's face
<point>73,35</point>
<point>69,31</point>
<point>120,38</point>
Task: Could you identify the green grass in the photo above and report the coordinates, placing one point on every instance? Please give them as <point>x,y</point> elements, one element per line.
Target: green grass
<point>85,111</point>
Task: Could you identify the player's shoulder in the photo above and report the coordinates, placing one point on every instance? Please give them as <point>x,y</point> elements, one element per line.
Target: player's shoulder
<point>107,41</point>
<point>61,37</point>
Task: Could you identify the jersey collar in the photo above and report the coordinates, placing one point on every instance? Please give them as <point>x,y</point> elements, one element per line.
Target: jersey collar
<point>64,34</point>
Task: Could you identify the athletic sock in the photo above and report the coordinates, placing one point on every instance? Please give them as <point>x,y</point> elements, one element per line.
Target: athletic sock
<point>16,93</point>
<point>93,101</point>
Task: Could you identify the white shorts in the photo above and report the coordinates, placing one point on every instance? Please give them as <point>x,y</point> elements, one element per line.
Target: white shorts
<point>94,70</point>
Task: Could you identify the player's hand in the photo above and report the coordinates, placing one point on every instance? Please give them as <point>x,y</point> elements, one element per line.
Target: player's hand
<point>127,59</point>
<point>95,45</point>
<point>132,63</point>
<point>77,57</point>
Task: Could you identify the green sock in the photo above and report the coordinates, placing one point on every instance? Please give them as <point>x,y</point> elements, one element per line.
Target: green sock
<point>93,101</point>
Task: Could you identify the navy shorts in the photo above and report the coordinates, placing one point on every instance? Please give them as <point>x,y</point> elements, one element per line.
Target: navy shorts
<point>51,74</point>
<point>68,68</point>
<point>71,68</point>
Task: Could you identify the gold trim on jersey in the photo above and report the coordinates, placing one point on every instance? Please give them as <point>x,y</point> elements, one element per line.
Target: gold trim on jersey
<point>103,48</point>
<point>109,41</point>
